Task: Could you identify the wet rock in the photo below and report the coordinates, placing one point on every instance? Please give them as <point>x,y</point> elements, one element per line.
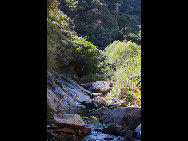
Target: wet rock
<point>100,87</point>
<point>112,128</point>
<point>125,116</point>
<point>69,120</point>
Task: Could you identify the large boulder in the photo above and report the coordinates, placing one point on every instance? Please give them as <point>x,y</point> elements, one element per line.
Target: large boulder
<point>69,120</point>
<point>112,128</point>
<point>124,116</point>
<point>99,87</point>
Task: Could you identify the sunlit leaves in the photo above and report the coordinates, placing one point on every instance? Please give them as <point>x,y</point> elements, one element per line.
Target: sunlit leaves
<point>124,58</point>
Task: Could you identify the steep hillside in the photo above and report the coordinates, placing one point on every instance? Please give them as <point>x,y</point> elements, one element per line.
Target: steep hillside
<point>132,8</point>
<point>103,21</point>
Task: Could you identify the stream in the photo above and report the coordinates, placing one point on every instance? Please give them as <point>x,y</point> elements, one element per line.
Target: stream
<point>92,121</point>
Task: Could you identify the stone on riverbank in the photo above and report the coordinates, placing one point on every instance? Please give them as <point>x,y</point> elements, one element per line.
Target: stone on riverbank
<point>69,120</point>
<point>124,116</point>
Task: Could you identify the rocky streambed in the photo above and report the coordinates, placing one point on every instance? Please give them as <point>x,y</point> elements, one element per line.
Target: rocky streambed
<point>83,126</point>
<point>81,114</point>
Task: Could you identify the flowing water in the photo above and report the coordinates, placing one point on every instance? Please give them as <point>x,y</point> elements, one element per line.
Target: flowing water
<point>92,121</point>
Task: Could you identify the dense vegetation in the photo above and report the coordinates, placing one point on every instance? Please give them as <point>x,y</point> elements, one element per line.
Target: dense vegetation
<point>102,21</point>
<point>92,40</point>
<point>123,65</point>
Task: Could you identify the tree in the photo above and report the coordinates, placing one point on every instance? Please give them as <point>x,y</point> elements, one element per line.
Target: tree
<point>86,56</point>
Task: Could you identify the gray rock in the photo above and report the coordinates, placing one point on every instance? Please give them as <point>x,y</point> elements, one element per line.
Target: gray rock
<point>100,87</point>
<point>124,116</point>
<point>69,120</point>
<point>96,102</point>
<point>55,103</point>
<point>63,93</point>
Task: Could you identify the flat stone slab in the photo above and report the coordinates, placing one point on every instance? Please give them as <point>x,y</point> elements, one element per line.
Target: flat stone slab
<point>69,120</point>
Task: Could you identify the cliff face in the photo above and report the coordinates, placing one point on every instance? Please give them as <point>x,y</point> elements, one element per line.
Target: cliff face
<point>62,92</point>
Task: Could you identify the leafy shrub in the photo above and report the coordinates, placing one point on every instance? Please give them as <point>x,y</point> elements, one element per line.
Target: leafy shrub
<point>124,60</point>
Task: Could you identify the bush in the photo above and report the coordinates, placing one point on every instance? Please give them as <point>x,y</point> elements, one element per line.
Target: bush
<point>124,60</point>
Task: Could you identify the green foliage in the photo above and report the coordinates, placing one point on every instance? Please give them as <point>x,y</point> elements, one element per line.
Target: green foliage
<point>133,37</point>
<point>59,33</point>
<point>67,51</point>
<point>100,21</point>
<point>124,60</point>
<point>86,56</point>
